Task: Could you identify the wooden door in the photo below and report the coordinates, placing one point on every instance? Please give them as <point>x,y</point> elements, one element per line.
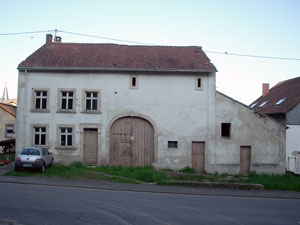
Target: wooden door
<point>245,159</point>
<point>90,146</point>
<point>198,156</point>
<point>131,142</point>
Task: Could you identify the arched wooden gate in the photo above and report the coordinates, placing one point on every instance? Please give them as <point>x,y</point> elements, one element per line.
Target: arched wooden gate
<point>131,142</point>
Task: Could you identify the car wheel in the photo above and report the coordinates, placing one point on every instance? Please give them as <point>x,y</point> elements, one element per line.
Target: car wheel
<point>42,169</point>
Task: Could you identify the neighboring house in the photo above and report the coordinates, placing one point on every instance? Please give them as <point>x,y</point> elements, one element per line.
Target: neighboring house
<point>140,105</point>
<point>282,102</point>
<point>7,127</point>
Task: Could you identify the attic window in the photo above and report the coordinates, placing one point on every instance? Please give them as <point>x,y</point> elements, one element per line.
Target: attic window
<point>133,82</point>
<point>280,101</point>
<point>253,105</point>
<point>198,83</point>
<point>262,104</point>
<point>225,129</point>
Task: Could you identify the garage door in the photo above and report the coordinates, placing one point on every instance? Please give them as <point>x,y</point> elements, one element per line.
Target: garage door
<point>131,142</point>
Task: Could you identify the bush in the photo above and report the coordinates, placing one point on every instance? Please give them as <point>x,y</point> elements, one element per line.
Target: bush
<point>187,169</point>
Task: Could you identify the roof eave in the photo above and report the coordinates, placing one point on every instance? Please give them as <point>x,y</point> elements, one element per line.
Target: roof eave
<point>74,69</point>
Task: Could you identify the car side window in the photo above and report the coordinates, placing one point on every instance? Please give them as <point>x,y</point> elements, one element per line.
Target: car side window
<point>44,152</point>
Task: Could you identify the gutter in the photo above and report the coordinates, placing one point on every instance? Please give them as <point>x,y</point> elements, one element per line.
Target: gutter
<point>80,69</point>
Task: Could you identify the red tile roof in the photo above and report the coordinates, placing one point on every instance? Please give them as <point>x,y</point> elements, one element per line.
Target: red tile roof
<point>73,56</point>
<point>289,89</point>
<point>9,108</point>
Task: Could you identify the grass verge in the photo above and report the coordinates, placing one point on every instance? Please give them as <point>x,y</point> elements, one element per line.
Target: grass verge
<point>275,182</point>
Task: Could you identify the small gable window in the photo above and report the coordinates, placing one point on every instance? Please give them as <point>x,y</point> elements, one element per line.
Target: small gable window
<point>133,82</point>
<point>262,104</point>
<point>280,101</point>
<point>198,83</point>
<point>225,129</point>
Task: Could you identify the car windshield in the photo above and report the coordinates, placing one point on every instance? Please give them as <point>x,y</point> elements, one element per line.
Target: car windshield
<point>30,151</point>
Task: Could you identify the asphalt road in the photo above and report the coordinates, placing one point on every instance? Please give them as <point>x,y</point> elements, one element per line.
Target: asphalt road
<point>32,204</point>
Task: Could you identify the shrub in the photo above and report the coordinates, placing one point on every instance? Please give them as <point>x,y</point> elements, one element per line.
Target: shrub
<point>187,169</point>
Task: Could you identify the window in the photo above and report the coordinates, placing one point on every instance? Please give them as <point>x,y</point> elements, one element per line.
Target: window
<point>280,101</point>
<point>40,100</point>
<point>253,105</point>
<point>172,144</point>
<point>39,135</point>
<point>9,131</point>
<point>91,101</point>
<point>225,129</point>
<point>66,100</point>
<point>262,104</point>
<point>65,137</point>
<point>198,83</point>
<point>133,82</point>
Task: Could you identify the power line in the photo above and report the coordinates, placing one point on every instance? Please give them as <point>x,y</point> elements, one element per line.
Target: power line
<point>143,43</point>
<point>106,38</point>
<point>252,56</point>
<point>30,32</point>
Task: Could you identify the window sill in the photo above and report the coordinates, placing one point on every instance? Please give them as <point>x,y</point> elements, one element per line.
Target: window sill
<point>40,110</point>
<point>91,111</point>
<point>65,148</point>
<point>66,111</point>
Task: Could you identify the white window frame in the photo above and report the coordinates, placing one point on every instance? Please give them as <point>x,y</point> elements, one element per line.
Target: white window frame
<point>33,133</point>
<point>34,98</point>
<point>197,83</point>
<point>60,100</point>
<point>59,134</point>
<point>131,83</point>
<point>85,98</point>
<point>9,134</point>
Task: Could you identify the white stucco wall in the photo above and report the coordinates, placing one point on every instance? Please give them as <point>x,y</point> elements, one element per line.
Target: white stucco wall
<point>292,144</point>
<point>179,112</point>
<point>265,136</point>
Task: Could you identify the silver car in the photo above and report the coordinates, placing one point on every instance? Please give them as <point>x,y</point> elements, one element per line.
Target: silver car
<point>33,158</point>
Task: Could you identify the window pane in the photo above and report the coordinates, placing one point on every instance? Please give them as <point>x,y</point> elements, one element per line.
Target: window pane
<point>88,94</point>
<point>62,140</point>
<point>43,139</point>
<point>95,104</point>
<point>70,130</point>
<point>43,129</point>
<point>62,130</point>
<point>95,94</point>
<point>36,129</point>
<point>70,104</point>
<point>36,139</point>
<point>69,140</point>
<point>64,94</point>
<point>44,103</point>
<point>44,93</point>
<point>71,94</point>
<point>88,104</point>
<point>199,82</point>
<point>37,103</point>
<point>64,104</point>
<point>37,93</point>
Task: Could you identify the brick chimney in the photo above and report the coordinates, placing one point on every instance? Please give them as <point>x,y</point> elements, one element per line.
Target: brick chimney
<point>265,89</point>
<point>48,39</point>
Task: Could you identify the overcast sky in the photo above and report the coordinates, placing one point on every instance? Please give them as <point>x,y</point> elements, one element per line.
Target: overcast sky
<point>253,27</point>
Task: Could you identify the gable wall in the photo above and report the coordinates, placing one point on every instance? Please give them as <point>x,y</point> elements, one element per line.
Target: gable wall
<point>265,136</point>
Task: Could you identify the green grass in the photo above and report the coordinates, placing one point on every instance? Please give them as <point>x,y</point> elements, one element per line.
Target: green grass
<point>117,173</point>
<point>275,182</point>
<point>187,169</point>
<point>137,175</point>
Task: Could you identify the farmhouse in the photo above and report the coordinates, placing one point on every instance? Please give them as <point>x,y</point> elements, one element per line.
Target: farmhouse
<point>110,104</point>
